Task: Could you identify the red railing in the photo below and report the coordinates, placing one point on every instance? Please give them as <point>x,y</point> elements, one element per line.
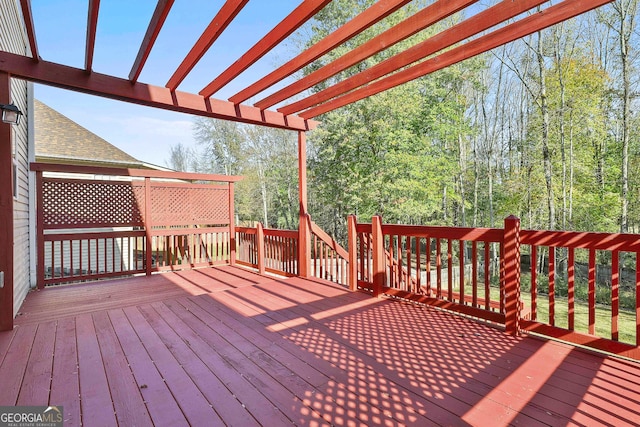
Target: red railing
<point>449,267</point>
<point>584,288</point>
<point>96,223</point>
<point>268,250</point>
<point>329,260</point>
<point>277,251</point>
<point>580,287</point>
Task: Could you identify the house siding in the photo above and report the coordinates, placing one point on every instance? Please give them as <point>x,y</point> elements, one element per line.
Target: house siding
<point>13,39</point>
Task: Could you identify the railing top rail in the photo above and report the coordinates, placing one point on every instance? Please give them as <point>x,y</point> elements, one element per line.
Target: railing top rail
<point>141,173</point>
<point>281,233</point>
<point>315,229</point>
<point>455,233</point>
<point>584,240</point>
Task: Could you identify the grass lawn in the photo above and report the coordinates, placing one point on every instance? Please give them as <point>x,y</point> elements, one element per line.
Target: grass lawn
<point>626,319</point>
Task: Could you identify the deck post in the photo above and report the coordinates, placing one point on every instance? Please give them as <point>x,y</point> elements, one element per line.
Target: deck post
<point>232,226</point>
<point>304,232</point>
<point>352,233</point>
<point>377,247</point>
<point>148,245</point>
<point>511,254</point>
<point>39,230</point>
<point>6,212</point>
<point>261,248</point>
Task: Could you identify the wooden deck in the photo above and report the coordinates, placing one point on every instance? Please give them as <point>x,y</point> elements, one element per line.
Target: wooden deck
<point>224,346</point>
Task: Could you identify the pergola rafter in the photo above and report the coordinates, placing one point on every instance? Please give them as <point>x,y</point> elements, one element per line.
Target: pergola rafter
<point>157,21</point>
<point>295,114</point>
<point>218,24</point>
<point>92,25</point>
<point>28,23</point>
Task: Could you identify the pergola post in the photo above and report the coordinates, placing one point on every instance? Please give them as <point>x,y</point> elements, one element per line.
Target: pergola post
<point>352,232</point>
<point>377,248</point>
<point>232,225</point>
<point>511,253</point>
<point>304,232</point>
<point>261,248</point>
<point>6,212</point>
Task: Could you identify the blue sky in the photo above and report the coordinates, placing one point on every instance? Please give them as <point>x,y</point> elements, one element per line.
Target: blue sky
<point>144,132</point>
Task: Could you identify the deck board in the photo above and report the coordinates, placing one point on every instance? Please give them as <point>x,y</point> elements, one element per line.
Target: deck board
<point>225,346</point>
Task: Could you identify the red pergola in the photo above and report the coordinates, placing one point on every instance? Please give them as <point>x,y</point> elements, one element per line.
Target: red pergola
<point>441,50</point>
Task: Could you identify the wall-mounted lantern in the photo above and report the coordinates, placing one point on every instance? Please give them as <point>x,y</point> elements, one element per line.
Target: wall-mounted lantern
<point>10,114</point>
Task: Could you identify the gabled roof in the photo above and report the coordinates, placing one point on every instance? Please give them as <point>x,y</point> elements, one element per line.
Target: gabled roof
<point>484,26</point>
<point>61,140</point>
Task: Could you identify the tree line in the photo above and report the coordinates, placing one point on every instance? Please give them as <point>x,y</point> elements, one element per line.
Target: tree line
<point>544,128</point>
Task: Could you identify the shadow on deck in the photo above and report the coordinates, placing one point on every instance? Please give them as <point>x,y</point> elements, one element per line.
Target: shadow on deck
<point>225,346</point>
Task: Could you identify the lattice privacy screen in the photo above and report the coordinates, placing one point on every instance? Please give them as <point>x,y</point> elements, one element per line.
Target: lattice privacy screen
<point>189,204</point>
<point>84,204</point>
<point>75,203</point>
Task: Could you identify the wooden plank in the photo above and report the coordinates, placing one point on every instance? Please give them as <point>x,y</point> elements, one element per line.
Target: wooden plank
<point>155,25</point>
<point>230,409</point>
<point>194,405</point>
<point>65,382</point>
<point>365,367</point>
<point>256,403</point>
<point>37,377</point>
<point>160,403</point>
<point>92,24</point>
<point>14,364</point>
<point>31,33</point>
<point>218,24</point>
<point>347,395</point>
<point>125,392</point>
<point>95,398</point>
<point>277,390</point>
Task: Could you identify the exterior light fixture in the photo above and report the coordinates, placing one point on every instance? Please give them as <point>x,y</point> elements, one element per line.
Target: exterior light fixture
<point>10,114</point>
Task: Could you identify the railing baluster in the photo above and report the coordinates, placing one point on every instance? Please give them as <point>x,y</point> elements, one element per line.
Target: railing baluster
<point>438,268</point>
<point>450,269</point>
<point>534,282</point>
<point>571,290</point>
<point>552,286</point>
<point>461,267</point>
<point>474,273</point>
<point>487,277</point>
<point>637,289</point>
<point>615,294</point>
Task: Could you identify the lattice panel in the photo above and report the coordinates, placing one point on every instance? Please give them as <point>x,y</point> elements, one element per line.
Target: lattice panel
<point>192,205</point>
<point>84,203</point>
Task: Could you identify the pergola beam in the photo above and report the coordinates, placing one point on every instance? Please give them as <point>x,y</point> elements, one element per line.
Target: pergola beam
<point>355,26</point>
<point>28,23</point>
<point>524,27</point>
<point>288,25</point>
<point>218,24</point>
<point>92,25</point>
<point>144,94</point>
<point>476,24</point>
<point>155,25</point>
